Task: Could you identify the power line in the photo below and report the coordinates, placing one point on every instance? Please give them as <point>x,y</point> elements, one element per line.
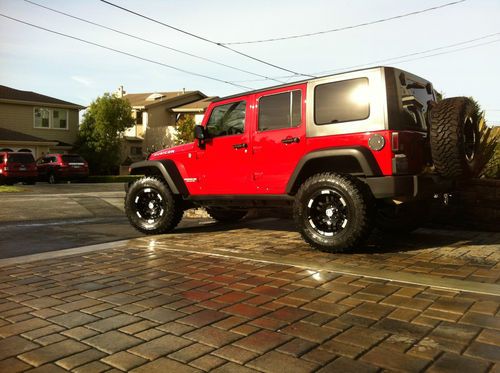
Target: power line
<point>343,28</point>
<point>124,53</point>
<point>207,40</point>
<point>149,41</point>
<point>397,58</point>
<point>421,52</point>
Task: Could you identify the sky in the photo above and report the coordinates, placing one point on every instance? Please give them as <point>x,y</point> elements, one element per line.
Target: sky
<point>35,60</point>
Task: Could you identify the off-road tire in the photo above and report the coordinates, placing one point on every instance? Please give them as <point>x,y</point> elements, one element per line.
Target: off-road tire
<point>400,218</point>
<point>226,215</point>
<point>334,212</point>
<point>454,137</point>
<point>151,207</point>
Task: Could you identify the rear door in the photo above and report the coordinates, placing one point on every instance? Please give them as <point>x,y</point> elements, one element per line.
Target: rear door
<point>278,137</point>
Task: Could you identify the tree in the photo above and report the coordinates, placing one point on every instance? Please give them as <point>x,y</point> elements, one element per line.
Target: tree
<point>185,129</point>
<point>487,163</point>
<point>99,136</point>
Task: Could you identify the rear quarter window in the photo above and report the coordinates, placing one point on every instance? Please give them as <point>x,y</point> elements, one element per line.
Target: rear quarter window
<point>342,101</point>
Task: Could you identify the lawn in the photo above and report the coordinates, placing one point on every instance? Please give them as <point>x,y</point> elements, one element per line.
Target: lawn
<point>10,189</point>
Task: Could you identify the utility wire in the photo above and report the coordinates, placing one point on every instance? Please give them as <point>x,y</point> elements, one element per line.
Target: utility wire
<point>397,58</point>
<point>206,40</point>
<point>125,53</point>
<point>342,28</point>
<point>421,52</point>
<point>149,41</point>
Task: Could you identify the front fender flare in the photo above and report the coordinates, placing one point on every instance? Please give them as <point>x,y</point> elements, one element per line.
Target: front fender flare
<point>167,169</point>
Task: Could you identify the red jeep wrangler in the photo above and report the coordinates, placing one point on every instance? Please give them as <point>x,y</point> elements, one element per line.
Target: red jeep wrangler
<point>348,152</point>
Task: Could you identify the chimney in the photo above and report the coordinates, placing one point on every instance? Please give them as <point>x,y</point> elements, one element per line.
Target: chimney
<point>120,92</point>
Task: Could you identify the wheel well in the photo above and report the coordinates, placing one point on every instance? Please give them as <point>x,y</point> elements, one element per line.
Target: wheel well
<point>147,171</point>
<point>340,164</point>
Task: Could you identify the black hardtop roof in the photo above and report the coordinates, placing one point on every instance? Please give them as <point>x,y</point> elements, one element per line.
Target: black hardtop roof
<point>308,80</point>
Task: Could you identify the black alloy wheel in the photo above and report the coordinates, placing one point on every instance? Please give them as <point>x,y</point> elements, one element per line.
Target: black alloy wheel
<point>327,212</point>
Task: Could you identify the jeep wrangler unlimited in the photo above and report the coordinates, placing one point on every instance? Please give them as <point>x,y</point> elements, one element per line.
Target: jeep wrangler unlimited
<point>348,152</point>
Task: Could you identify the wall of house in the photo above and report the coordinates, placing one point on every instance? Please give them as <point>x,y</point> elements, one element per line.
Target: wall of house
<point>160,132</point>
<point>20,118</point>
<point>36,150</point>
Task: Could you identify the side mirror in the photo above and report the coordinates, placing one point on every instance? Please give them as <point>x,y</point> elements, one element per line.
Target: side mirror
<point>200,134</point>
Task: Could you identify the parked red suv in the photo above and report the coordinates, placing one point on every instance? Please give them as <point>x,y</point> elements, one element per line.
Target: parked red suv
<point>54,167</point>
<point>17,167</point>
<point>349,152</point>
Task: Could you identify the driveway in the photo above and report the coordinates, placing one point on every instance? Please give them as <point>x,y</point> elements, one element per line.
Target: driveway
<point>243,297</point>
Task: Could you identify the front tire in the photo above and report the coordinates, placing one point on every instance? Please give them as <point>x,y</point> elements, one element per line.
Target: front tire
<point>334,212</point>
<point>151,207</point>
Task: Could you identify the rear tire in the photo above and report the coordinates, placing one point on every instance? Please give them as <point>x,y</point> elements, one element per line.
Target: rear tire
<point>454,137</point>
<point>151,207</point>
<point>226,215</point>
<point>334,212</point>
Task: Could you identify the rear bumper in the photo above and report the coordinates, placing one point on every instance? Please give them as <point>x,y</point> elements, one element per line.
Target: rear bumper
<point>410,186</point>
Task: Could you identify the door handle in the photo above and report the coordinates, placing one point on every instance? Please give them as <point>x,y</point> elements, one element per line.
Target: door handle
<point>290,140</point>
<point>240,146</point>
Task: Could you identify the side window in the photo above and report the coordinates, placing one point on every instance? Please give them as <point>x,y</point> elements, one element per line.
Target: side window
<point>282,110</point>
<point>342,101</point>
<point>228,119</point>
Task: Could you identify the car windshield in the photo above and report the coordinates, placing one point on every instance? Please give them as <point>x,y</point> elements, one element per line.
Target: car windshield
<point>21,158</point>
<point>72,159</point>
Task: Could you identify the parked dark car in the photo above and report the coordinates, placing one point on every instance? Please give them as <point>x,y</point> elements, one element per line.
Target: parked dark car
<point>55,167</point>
<point>17,167</point>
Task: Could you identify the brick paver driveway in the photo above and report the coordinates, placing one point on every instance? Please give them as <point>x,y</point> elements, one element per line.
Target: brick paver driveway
<point>254,297</point>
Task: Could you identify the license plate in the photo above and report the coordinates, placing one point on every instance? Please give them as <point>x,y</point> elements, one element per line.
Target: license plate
<point>22,168</point>
<point>75,166</point>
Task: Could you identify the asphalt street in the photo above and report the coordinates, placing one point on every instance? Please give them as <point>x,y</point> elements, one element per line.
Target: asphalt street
<point>46,217</point>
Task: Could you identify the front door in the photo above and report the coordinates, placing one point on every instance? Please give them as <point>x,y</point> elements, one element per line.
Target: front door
<point>279,137</point>
<point>224,163</point>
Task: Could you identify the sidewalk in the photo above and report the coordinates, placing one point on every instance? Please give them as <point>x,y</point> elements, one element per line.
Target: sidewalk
<point>150,305</point>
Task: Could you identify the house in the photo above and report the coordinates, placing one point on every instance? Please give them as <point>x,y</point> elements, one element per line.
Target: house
<point>155,120</point>
<point>197,108</point>
<point>37,123</point>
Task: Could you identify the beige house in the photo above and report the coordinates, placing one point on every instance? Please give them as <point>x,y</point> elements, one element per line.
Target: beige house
<point>196,108</point>
<point>155,120</point>
<point>37,123</point>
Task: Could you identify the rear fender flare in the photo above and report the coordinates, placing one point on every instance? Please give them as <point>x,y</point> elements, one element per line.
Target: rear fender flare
<point>367,165</point>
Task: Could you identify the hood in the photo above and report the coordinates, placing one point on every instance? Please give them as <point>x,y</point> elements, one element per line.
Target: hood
<point>171,151</point>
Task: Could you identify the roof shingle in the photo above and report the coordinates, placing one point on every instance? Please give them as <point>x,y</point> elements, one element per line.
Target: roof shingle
<point>7,93</point>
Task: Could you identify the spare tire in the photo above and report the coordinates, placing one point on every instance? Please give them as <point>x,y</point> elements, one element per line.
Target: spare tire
<point>454,137</point>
